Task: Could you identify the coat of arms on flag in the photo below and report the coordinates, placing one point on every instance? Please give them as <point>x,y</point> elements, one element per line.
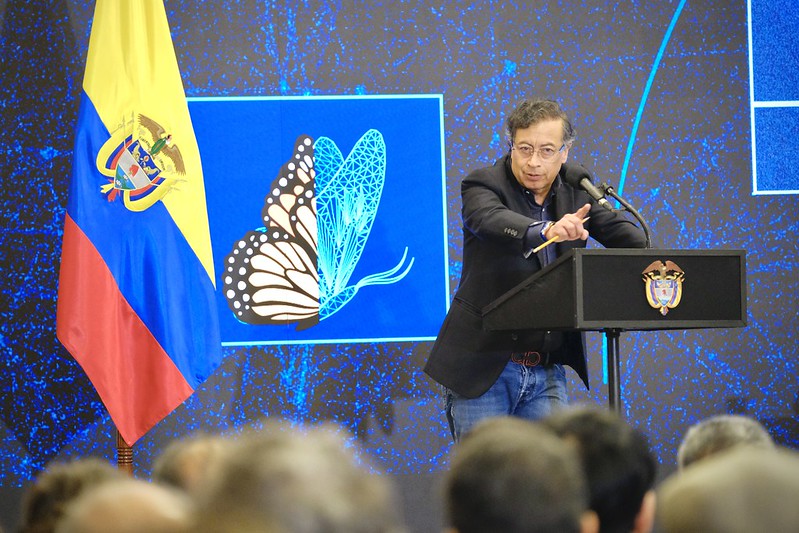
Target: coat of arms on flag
<point>141,161</point>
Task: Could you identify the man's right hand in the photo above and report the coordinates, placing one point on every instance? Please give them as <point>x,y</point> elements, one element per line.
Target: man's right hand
<point>570,227</point>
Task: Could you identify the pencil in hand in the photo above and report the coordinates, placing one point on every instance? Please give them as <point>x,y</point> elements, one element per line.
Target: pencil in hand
<point>553,239</point>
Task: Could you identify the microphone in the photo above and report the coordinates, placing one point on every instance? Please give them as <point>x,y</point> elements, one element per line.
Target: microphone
<point>583,181</point>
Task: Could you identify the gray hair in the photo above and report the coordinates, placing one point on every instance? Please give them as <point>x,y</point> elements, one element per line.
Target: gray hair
<point>720,433</point>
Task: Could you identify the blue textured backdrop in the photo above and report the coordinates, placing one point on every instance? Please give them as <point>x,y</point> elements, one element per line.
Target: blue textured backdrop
<point>659,93</point>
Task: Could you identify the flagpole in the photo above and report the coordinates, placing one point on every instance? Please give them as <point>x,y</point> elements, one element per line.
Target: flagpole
<point>124,455</point>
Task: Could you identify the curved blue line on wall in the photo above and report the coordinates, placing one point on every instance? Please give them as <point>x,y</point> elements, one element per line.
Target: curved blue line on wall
<point>645,95</point>
<point>634,133</point>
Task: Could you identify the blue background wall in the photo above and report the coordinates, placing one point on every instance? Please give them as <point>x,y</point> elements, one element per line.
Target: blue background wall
<point>659,93</point>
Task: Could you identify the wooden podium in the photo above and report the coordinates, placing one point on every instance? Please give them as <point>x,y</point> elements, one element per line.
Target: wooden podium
<point>610,290</point>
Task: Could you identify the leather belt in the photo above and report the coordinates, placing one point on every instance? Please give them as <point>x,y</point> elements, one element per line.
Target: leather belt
<point>531,358</point>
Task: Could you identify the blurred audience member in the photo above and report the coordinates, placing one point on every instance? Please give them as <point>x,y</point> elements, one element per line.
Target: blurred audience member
<point>720,433</point>
<point>281,479</point>
<point>510,475</point>
<point>618,464</point>
<point>43,502</point>
<point>737,491</point>
<point>128,506</point>
<point>184,463</point>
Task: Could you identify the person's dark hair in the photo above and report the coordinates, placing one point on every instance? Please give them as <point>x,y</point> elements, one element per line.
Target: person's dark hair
<point>720,433</point>
<point>44,502</point>
<point>510,475</point>
<point>618,463</point>
<point>529,112</point>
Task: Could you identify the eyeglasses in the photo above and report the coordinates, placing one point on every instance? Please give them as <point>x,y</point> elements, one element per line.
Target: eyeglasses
<point>545,154</point>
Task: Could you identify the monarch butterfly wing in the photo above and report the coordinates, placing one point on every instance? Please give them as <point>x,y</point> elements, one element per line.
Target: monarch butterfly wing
<point>347,207</point>
<point>270,276</point>
<point>293,188</point>
<point>270,279</point>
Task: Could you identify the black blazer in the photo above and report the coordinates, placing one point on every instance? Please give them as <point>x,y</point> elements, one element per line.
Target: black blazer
<point>468,359</point>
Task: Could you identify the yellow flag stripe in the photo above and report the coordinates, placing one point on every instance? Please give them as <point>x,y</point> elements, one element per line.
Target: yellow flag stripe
<point>132,69</point>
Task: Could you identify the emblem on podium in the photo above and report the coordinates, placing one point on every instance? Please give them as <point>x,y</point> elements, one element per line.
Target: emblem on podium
<point>663,285</point>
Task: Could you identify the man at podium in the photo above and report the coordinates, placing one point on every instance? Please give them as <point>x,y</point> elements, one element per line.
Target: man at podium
<point>527,198</point>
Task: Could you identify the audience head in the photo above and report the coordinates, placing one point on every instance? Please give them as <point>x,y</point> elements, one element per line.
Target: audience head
<point>296,480</point>
<point>618,464</point>
<point>511,475</point>
<point>43,503</point>
<point>184,463</point>
<point>733,491</point>
<point>128,506</point>
<point>720,433</point>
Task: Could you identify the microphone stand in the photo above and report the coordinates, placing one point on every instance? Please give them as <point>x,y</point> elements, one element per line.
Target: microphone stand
<point>607,189</point>
<point>612,334</point>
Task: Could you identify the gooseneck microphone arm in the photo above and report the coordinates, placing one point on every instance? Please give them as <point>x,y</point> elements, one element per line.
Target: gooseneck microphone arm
<point>610,191</point>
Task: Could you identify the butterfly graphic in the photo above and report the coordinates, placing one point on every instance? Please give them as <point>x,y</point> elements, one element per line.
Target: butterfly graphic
<point>318,216</point>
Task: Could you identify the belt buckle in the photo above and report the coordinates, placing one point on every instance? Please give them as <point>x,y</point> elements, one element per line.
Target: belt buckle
<point>530,359</point>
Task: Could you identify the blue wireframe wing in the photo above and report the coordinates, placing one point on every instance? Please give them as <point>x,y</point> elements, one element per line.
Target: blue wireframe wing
<point>347,200</point>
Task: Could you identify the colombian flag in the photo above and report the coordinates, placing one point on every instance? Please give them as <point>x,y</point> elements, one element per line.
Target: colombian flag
<point>136,289</point>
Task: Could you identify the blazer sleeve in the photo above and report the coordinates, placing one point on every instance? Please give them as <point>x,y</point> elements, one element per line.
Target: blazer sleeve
<point>492,209</point>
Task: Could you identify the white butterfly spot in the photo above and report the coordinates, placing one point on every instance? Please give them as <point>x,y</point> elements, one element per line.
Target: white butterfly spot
<point>237,305</point>
<point>228,280</point>
<point>242,271</point>
<point>283,182</point>
<point>230,294</point>
<point>291,166</point>
<point>241,285</point>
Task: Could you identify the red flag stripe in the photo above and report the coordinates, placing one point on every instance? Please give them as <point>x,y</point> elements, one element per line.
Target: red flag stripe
<point>136,379</point>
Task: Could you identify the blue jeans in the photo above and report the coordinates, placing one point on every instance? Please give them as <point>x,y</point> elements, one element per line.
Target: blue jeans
<point>526,392</point>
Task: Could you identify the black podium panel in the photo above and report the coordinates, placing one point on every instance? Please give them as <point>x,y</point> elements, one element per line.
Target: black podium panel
<point>613,290</point>
<point>600,289</point>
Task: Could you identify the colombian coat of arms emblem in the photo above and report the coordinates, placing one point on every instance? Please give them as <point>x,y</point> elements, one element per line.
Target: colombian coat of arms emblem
<point>663,285</point>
